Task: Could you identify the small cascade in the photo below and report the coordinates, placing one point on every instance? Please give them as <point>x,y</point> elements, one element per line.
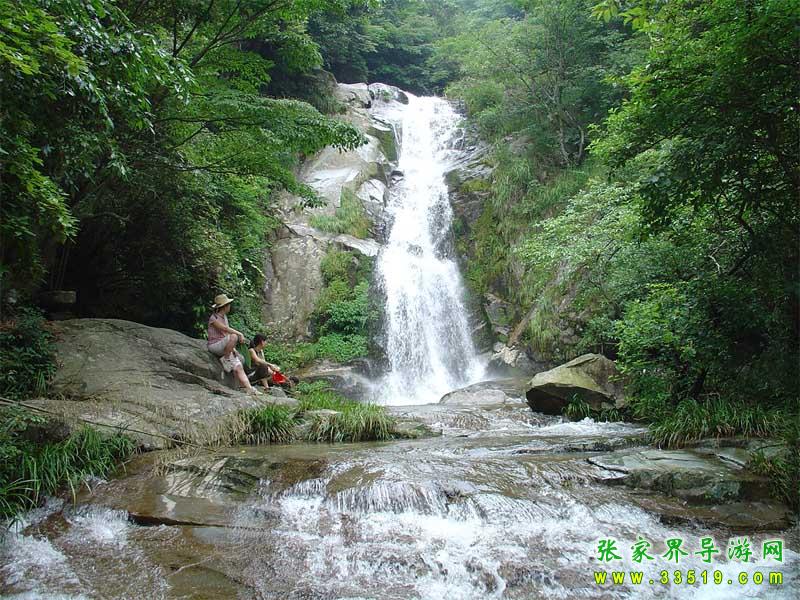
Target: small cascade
<point>428,340</point>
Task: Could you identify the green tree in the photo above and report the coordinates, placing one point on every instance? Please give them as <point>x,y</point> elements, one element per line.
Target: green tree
<point>139,133</point>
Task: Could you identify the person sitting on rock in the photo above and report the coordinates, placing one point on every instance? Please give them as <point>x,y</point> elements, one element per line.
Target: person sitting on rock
<point>261,370</point>
<point>222,340</point>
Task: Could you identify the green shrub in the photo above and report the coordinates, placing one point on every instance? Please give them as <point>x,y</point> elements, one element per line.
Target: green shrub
<point>348,314</point>
<point>343,314</point>
<point>27,358</point>
<point>350,217</point>
<point>341,347</point>
<point>334,346</point>
<point>290,355</point>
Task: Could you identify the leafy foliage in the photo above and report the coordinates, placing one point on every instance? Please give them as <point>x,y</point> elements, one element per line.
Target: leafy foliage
<point>391,41</point>
<point>344,314</point>
<point>540,75</point>
<point>27,359</point>
<point>674,247</point>
<point>350,217</point>
<point>140,152</point>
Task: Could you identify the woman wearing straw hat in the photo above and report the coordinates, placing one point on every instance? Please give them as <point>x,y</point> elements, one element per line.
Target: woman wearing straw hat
<point>222,340</point>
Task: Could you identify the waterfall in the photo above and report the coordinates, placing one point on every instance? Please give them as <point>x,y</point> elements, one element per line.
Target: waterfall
<point>427,336</point>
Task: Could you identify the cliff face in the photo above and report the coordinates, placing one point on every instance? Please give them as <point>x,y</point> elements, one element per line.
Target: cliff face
<point>514,329</point>
<point>357,183</point>
<point>353,187</point>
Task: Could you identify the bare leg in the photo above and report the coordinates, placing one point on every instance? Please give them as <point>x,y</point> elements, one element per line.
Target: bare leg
<point>265,383</point>
<point>229,347</point>
<point>241,377</point>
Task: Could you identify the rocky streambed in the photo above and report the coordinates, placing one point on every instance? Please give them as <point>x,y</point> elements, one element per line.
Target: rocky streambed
<point>504,503</point>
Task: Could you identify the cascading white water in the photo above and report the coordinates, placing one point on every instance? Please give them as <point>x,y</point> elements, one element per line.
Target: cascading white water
<point>428,340</point>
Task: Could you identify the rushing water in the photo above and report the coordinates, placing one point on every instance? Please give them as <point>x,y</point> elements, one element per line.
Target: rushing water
<point>428,341</point>
<point>495,508</point>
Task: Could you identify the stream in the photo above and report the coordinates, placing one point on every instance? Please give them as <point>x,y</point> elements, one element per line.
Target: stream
<point>504,504</point>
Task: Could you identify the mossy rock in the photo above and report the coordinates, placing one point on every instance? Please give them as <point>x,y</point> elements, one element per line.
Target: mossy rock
<point>386,136</point>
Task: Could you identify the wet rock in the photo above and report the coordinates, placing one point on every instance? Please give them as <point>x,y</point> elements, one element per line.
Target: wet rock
<point>374,195</point>
<point>739,517</point>
<point>487,393</point>
<point>598,443</point>
<point>590,377</point>
<point>513,360</point>
<point>388,138</point>
<point>156,381</point>
<point>412,429</point>
<point>687,474</point>
<point>475,397</point>
<point>386,93</point>
<point>347,379</point>
<point>200,490</point>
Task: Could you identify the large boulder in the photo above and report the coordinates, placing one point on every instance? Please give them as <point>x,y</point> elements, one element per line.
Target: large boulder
<point>157,384</point>
<point>591,377</point>
<point>486,393</point>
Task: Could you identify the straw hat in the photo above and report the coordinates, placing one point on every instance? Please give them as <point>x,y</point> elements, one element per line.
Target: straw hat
<point>221,301</point>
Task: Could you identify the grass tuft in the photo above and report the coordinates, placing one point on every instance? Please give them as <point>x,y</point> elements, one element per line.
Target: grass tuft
<point>357,423</point>
<point>691,420</point>
<point>31,471</point>
<point>273,424</point>
<point>354,421</point>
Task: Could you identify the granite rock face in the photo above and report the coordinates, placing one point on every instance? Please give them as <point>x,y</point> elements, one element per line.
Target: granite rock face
<point>161,383</point>
<point>292,266</point>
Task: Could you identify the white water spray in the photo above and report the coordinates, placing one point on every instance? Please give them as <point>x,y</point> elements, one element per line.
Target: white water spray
<point>428,340</point>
